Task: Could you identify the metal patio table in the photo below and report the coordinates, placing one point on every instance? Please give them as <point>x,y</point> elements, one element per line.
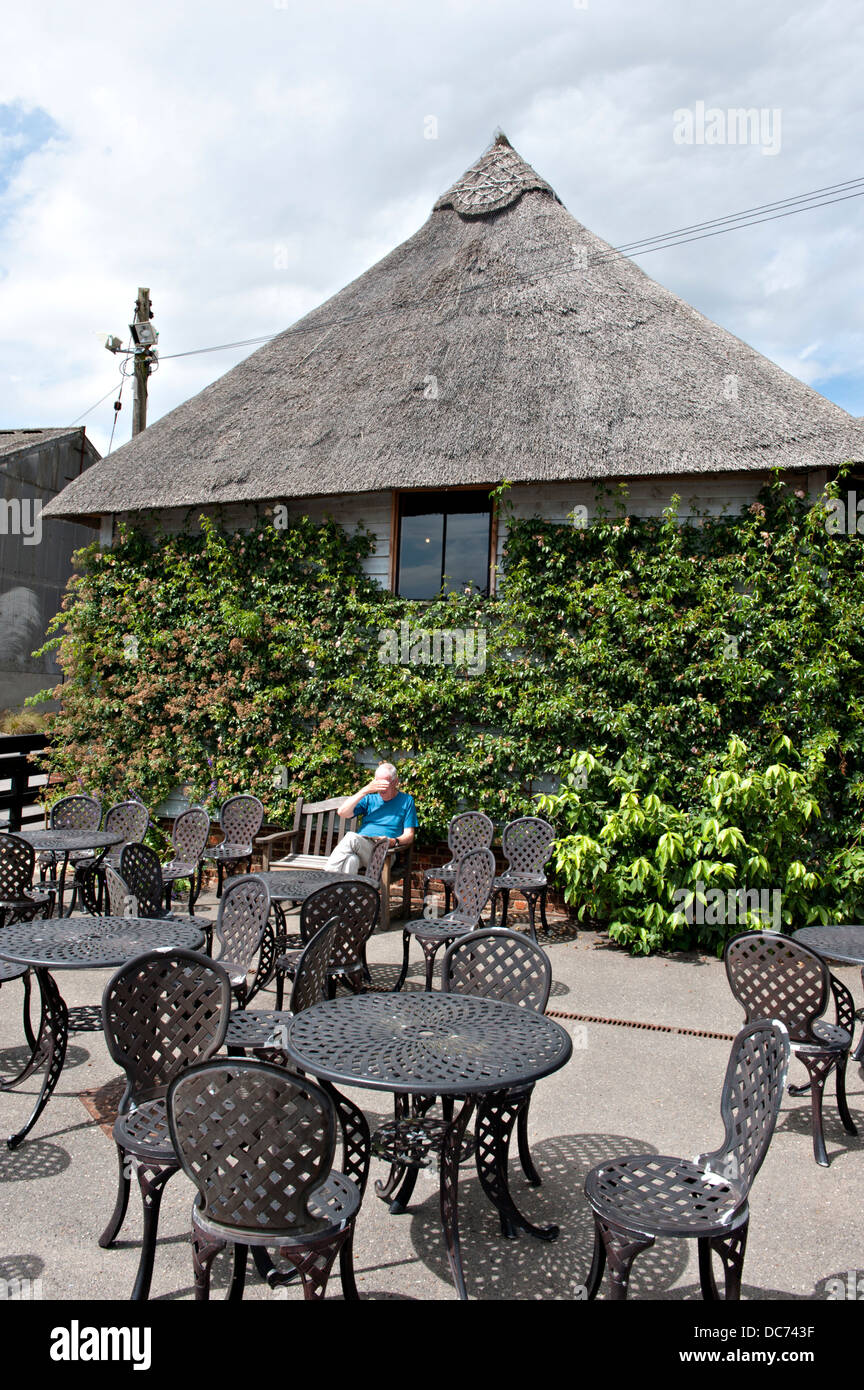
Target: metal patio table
<point>844,944</point>
<point>66,842</point>
<point>80,943</point>
<point>460,1047</point>
<point>295,886</point>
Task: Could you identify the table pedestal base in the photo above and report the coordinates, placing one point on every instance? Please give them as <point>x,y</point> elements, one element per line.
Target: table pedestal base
<point>50,1051</point>
<point>498,1115</point>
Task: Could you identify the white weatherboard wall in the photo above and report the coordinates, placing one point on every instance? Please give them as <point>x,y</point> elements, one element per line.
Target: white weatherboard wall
<point>714,493</point>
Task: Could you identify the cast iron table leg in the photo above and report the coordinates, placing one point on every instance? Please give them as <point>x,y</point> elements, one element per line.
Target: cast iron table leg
<point>50,1048</point>
<point>451,1152</point>
<point>496,1117</point>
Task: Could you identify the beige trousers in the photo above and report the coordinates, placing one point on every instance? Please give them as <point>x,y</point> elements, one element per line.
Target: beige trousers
<point>352,851</point>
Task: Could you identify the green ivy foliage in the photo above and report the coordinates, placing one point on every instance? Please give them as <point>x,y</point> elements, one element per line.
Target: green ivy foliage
<point>217,659</point>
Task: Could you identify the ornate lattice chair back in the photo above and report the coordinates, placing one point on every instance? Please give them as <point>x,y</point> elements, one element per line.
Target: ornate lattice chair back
<point>189,835</point>
<point>501,965</point>
<point>310,979</point>
<point>121,900</point>
<point>129,819</point>
<point>772,976</point>
<point>17,860</point>
<point>257,1141</point>
<point>162,1012</point>
<point>375,867</point>
<point>141,870</point>
<point>240,819</point>
<point>527,844</point>
<point>469,830</point>
<point>359,905</point>
<point>242,920</point>
<point>76,813</point>
<point>473,884</point>
<point>750,1103</point>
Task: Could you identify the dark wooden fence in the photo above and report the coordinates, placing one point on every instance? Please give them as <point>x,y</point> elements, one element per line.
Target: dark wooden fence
<point>21,781</point>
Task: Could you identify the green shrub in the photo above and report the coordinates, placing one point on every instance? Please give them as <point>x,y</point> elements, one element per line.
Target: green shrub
<point>746,853</point>
<point>227,661</point>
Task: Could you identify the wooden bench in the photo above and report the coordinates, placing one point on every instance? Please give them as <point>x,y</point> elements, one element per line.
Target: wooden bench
<point>316,831</point>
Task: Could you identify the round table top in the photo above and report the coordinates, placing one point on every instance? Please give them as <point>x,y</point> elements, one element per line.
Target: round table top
<point>841,943</point>
<point>295,885</point>
<point>64,840</point>
<point>426,1043</point>
<point>93,943</point>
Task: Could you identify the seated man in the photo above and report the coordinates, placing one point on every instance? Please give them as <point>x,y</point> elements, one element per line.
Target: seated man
<point>386,812</point>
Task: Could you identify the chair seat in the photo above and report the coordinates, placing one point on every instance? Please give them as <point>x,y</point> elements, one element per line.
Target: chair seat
<point>287,964</point>
<point>236,972</point>
<point>8,971</point>
<point>517,882</point>
<point>439,928</point>
<point>228,850</point>
<point>830,1035</point>
<point>446,873</point>
<point>256,1027</point>
<point>33,899</point>
<point>336,1201</point>
<point>657,1195</point>
<point>144,1132</point>
<point>178,868</point>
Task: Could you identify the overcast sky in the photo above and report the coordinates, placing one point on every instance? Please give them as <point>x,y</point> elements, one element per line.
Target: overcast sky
<point>246,159</point>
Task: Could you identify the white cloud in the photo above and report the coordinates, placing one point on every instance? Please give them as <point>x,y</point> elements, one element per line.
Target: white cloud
<point>195,144</point>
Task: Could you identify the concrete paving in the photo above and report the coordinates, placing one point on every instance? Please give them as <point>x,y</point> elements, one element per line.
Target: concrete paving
<point>625,1090</point>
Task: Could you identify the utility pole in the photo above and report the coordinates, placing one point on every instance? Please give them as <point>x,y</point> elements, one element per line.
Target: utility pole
<point>144,338</point>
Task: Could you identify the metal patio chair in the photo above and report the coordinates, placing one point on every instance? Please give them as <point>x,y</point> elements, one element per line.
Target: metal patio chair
<point>472,887</point>
<point>262,1030</point>
<point>20,902</point>
<point>772,976</point>
<point>243,936</point>
<point>189,837</point>
<point>527,846</point>
<point>637,1198</point>
<point>78,812</point>
<point>131,819</point>
<point>161,1013</point>
<point>467,831</point>
<point>356,905</point>
<point>141,871</point>
<point>239,820</point>
<point>259,1144</point>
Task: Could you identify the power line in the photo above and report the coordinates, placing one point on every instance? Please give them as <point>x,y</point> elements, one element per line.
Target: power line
<point>804,202</point>
<point>93,407</point>
<point>747,212</point>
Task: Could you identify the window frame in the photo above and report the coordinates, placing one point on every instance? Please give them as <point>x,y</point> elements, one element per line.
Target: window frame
<point>396,533</point>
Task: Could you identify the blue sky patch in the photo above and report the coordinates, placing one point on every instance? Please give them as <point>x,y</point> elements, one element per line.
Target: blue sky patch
<point>23,130</point>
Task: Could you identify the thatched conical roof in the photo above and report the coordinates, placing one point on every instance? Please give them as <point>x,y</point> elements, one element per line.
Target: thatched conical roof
<point>502,340</point>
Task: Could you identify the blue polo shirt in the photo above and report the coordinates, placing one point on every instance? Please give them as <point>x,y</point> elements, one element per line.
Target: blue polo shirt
<point>388,818</point>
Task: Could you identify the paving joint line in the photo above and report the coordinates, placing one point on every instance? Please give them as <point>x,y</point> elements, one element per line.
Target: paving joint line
<point>648,1027</point>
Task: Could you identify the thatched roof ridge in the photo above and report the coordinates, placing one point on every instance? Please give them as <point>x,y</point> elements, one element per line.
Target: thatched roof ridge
<point>496,180</point>
<point>511,343</point>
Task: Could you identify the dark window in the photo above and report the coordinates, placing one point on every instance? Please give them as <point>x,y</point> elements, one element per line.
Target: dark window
<point>444,540</point>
